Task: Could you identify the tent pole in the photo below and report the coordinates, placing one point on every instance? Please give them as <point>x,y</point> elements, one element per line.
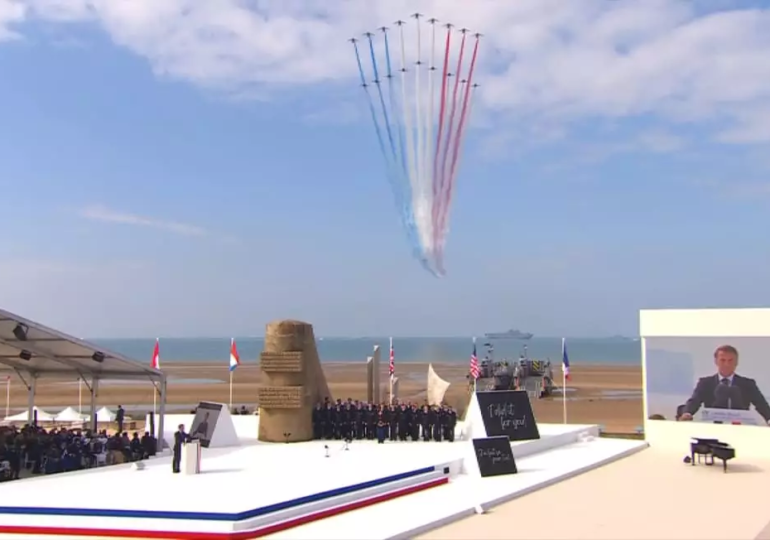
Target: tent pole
<point>162,415</point>
<point>94,392</point>
<point>31,390</point>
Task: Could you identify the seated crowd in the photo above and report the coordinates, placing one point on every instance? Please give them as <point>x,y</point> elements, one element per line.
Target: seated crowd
<point>355,420</point>
<point>35,450</point>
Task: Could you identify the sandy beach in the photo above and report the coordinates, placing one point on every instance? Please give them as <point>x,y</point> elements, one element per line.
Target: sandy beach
<point>598,394</point>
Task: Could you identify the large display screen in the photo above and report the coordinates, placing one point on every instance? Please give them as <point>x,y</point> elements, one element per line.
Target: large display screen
<point>708,379</point>
<point>204,422</point>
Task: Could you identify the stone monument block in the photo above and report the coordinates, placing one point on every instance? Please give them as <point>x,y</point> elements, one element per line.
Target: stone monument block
<point>376,375</point>
<point>292,382</point>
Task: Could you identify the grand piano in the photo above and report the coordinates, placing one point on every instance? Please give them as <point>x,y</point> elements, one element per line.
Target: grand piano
<point>710,449</point>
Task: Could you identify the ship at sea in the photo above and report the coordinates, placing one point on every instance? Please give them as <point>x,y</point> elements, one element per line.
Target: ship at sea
<point>509,334</point>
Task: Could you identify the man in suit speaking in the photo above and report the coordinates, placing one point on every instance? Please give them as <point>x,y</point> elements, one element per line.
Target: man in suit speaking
<point>726,389</point>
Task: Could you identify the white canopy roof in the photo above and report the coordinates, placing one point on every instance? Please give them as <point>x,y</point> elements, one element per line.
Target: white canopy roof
<point>105,415</point>
<point>70,415</point>
<point>42,416</point>
<point>30,347</point>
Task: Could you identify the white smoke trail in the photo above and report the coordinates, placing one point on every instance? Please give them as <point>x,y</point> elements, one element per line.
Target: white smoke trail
<point>419,155</point>
<point>431,115</point>
<point>421,211</point>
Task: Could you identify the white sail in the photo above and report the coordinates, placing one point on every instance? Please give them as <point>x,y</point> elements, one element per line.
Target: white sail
<point>437,387</point>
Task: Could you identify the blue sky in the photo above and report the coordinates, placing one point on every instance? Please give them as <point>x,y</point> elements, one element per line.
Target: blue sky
<point>176,169</point>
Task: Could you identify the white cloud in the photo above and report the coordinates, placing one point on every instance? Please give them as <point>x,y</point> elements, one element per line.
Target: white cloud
<point>11,12</point>
<point>102,213</point>
<point>544,61</point>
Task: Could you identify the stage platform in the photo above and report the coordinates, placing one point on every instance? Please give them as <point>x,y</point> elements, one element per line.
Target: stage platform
<point>266,489</point>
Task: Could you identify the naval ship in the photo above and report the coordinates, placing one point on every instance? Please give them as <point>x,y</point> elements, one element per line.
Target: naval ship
<point>509,334</point>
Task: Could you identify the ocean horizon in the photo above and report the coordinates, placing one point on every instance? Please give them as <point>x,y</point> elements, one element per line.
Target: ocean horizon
<point>408,350</point>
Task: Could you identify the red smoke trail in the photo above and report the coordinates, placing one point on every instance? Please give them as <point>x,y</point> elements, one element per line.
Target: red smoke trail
<point>437,151</point>
<point>457,141</point>
<point>449,141</point>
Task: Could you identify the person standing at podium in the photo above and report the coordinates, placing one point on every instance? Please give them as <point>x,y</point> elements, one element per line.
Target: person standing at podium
<point>180,437</point>
<point>726,389</point>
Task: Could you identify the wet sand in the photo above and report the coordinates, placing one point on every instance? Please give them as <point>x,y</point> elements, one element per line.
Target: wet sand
<point>597,394</point>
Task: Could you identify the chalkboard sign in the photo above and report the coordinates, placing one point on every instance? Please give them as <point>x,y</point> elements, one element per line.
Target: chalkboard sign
<point>509,413</point>
<point>494,456</point>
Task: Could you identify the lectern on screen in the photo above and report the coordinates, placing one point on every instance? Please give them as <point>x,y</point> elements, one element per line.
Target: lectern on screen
<point>205,421</point>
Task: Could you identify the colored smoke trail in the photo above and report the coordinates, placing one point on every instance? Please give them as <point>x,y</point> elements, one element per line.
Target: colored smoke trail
<point>420,128</point>
<point>446,203</point>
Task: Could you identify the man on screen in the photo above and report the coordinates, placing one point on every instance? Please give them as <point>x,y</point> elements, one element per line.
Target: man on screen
<point>201,432</point>
<point>726,389</point>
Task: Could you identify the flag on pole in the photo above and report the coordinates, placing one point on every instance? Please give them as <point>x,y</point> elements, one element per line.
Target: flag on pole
<point>474,362</point>
<point>564,359</point>
<point>392,365</point>
<point>235,360</point>
<point>155,362</point>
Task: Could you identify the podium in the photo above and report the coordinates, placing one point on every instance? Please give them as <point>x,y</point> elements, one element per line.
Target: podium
<point>729,416</point>
<point>191,457</point>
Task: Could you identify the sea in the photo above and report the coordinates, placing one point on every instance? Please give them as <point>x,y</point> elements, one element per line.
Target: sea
<point>412,349</point>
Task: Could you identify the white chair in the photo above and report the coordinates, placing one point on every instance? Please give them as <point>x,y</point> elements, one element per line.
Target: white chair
<point>101,458</point>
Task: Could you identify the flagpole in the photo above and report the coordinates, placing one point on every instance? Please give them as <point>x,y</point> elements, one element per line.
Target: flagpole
<point>155,360</point>
<point>563,383</point>
<point>474,378</point>
<point>231,389</point>
<point>390,353</point>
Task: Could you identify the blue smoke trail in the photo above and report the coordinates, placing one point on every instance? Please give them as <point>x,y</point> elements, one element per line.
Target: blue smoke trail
<point>403,195</point>
<point>372,110</point>
<point>382,98</point>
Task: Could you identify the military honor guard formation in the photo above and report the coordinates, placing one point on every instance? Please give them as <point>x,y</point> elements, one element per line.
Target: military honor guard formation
<point>355,420</point>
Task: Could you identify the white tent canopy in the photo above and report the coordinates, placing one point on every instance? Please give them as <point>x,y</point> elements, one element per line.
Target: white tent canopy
<point>42,416</point>
<point>30,351</point>
<point>70,415</point>
<point>105,415</point>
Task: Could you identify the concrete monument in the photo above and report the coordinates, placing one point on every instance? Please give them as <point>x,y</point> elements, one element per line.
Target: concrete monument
<point>375,380</point>
<point>370,379</point>
<point>292,382</point>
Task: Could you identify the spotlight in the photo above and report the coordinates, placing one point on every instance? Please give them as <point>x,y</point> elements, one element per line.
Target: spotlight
<point>20,332</point>
<point>326,449</point>
<point>25,355</point>
<point>286,435</point>
<point>348,440</point>
<point>98,357</point>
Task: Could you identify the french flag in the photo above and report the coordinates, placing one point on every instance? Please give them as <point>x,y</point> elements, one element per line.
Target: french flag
<point>235,360</point>
<point>564,359</point>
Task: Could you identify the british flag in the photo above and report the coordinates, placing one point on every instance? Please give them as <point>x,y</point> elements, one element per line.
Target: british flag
<point>474,362</point>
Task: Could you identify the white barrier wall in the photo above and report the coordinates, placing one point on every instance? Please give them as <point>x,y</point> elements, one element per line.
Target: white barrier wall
<point>677,349</point>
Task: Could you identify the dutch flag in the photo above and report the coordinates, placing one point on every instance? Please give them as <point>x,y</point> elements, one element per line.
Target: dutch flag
<point>235,360</point>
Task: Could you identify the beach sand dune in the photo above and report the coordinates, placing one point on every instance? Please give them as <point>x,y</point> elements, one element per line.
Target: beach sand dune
<point>598,394</point>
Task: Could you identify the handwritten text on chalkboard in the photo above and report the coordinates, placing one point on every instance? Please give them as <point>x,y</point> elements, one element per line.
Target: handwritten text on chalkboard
<point>494,455</point>
<point>509,413</point>
<point>505,413</point>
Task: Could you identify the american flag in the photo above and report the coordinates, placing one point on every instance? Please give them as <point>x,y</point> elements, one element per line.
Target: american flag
<point>392,366</point>
<point>474,362</point>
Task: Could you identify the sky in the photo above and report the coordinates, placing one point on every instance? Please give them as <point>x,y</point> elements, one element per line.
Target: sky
<point>188,168</point>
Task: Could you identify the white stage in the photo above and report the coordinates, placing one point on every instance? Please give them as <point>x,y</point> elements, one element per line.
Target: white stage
<point>262,489</point>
